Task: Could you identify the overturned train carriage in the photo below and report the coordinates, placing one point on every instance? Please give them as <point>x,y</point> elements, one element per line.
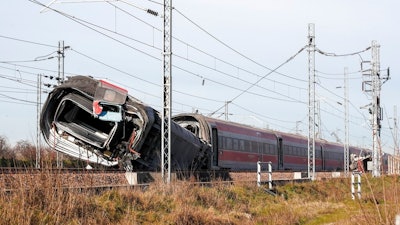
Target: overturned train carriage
<point>99,122</point>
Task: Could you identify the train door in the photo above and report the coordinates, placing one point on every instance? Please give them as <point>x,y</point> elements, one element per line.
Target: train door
<point>215,153</point>
<point>280,153</point>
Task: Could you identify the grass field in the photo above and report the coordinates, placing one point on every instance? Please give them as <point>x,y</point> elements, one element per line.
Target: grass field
<point>318,202</point>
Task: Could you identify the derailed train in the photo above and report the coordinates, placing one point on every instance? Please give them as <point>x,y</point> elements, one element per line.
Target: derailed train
<point>99,122</point>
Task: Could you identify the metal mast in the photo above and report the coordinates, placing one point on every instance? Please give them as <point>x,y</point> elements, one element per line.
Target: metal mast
<point>396,144</point>
<point>311,101</point>
<point>346,126</point>
<point>167,95</point>
<point>376,110</point>
<point>38,105</point>
<point>61,56</point>
<point>60,80</point>
<point>318,123</point>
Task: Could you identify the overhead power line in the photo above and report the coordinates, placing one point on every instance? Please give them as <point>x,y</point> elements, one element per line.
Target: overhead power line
<point>341,55</point>
<point>234,50</point>
<point>17,99</point>
<point>84,23</point>
<point>30,42</point>
<point>254,84</point>
<point>204,52</point>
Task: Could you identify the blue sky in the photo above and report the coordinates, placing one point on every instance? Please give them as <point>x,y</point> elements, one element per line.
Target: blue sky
<point>220,49</point>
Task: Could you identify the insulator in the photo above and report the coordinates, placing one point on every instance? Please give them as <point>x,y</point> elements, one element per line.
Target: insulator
<point>152,12</point>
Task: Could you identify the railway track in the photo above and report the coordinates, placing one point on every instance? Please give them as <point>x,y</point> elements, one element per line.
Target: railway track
<point>79,179</point>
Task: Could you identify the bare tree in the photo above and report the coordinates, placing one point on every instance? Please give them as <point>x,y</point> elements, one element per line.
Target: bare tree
<point>5,150</point>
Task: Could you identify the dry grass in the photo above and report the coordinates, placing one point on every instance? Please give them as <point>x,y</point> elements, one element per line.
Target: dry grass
<point>319,202</point>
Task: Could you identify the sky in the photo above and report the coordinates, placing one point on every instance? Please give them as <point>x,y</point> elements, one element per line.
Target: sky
<point>223,51</point>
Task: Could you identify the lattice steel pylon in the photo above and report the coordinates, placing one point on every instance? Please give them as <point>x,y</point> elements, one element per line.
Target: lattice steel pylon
<point>376,110</point>
<point>167,94</point>
<point>311,101</point>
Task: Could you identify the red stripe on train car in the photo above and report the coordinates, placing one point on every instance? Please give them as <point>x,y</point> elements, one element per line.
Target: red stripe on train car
<point>228,155</point>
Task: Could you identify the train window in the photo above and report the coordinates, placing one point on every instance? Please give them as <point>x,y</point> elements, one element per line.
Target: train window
<point>228,143</point>
<point>261,146</point>
<point>272,149</point>
<point>241,145</point>
<point>247,146</point>
<point>254,146</point>
<point>221,142</point>
<point>235,144</point>
<point>286,149</point>
<point>291,150</point>
<point>265,148</point>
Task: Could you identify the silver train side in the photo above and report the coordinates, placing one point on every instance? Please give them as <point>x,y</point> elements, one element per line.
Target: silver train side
<point>127,134</point>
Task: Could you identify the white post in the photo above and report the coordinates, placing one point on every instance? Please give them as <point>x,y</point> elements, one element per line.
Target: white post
<point>259,174</point>
<point>358,174</point>
<point>259,171</point>
<point>270,175</point>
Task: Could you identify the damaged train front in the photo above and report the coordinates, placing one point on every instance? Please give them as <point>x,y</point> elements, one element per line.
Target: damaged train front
<point>90,120</point>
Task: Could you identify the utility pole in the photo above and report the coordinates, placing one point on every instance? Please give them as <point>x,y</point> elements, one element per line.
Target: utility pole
<point>167,94</point>
<point>61,56</point>
<point>396,164</point>
<point>60,80</point>
<point>226,110</point>
<point>38,107</point>
<point>346,125</point>
<point>318,116</point>
<point>376,111</point>
<point>311,101</point>
<point>372,86</point>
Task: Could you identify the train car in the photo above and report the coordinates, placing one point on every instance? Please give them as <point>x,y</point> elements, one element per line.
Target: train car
<point>238,147</point>
<point>99,122</point>
<point>234,146</point>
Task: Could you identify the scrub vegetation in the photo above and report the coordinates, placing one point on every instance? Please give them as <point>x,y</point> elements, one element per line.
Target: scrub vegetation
<point>45,201</point>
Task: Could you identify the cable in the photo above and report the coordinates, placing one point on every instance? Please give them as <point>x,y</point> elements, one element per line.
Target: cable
<point>260,115</point>
<point>30,42</point>
<point>116,69</point>
<point>246,90</point>
<point>238,78</point>
<point>82,23</point>
<point>341,55</point>
<point>234,50</point>
<point>25,61</point>
<point>336,78</point>
<point>339,74</point>
<point>235,88</point>
<point>17,99</point>
<point>201,51</point>
<point>20,103</point>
